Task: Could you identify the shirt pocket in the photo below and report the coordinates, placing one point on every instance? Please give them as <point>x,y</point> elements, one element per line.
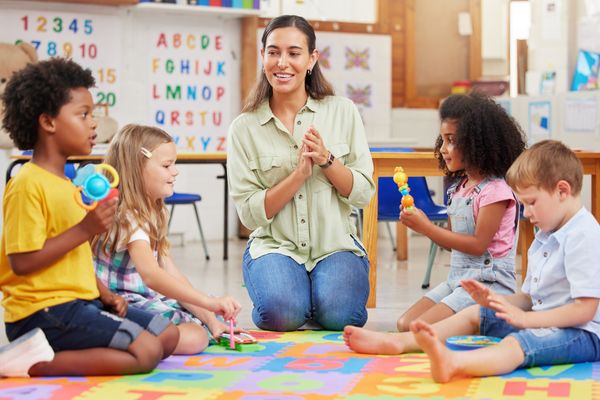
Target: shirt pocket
<point>340,151</point>
<point>268,169</point>
<point>460,224</point>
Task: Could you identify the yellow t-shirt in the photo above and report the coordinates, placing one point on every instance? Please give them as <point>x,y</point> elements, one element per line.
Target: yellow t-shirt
<point>39,205</point>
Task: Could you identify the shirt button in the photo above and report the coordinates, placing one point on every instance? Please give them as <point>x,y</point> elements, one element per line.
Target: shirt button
<point>300,196</point>
<point>540,301</point>
<point>487,262</point>
<point>302,221</point>
<point>299,123</point>
<point>303,244</point>
<point>535,279</point>
<point>545,254</point>
<point>295,146</point>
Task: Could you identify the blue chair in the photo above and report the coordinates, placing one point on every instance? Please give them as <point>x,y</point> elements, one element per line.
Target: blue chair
<point>187,198</point>
<point>389,205</point>
<point>389,209</point>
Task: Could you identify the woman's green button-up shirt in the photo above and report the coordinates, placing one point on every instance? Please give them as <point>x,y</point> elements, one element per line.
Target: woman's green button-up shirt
<point>316,222</point>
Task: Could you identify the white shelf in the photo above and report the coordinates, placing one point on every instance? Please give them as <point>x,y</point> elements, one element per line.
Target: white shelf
<point>186,9</point>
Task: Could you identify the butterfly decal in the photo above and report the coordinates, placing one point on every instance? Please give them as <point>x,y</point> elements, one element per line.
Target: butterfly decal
<point>324,56</point>
<point>357,58</point>
<point>359,95</point>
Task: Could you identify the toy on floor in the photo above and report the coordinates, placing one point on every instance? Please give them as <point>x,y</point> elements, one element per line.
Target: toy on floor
<point>238,340</point>
<point>231,335</point>
<point>93,186</point>
<point>401,180</point>
<point>471,342</point>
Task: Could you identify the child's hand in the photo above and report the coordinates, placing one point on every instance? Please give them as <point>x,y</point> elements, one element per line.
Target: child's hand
<point>117,303</point>
<point>217,328</point>
<point>226,306</point>
<point>479,292</point>
<point>100,219</point>
<point>415,219</point>
<point>509,312</point>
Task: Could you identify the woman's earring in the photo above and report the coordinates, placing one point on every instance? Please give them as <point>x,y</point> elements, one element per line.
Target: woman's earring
<point>309,71</point>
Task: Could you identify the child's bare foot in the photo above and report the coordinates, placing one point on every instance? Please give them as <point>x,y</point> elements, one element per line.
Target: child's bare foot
<point>443,366</point>
<point>365,341</point>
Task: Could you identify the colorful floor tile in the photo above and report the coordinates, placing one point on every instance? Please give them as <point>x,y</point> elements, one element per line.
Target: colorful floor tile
<point>306,365</point>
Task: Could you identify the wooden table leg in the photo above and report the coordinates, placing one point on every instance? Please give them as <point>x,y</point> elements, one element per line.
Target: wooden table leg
<point>370,242</point>
<point>596,191</point>
<point>401,242</point>
<point>526,236</point>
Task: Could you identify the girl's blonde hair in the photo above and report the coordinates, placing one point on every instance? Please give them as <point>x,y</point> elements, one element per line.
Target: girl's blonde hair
<point>128,154</point>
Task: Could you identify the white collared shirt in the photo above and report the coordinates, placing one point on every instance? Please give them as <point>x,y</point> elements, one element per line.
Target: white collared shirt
<point>565,265</point>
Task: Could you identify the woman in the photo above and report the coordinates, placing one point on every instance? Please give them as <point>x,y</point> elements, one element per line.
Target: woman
<point>299,161</point>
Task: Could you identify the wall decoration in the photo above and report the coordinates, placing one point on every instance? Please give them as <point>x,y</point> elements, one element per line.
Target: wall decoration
<point>540,120</point>
<point>189,85</point>
<point>91,38</point>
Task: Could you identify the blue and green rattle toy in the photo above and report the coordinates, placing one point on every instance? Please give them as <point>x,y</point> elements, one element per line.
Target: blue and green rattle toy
<point>93,186</point>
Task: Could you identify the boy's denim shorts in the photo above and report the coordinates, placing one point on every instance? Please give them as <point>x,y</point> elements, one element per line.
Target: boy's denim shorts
<point>84,324</point>
<point>544,346</point>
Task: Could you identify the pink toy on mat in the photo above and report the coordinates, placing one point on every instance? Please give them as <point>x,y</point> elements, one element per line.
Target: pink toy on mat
<point>231,335</point>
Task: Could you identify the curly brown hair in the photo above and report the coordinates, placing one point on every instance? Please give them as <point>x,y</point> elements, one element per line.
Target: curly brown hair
<point>488,138</point>
<point>40,88</point>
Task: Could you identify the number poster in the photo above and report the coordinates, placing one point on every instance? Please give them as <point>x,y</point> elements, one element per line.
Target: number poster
<point>90,38</point>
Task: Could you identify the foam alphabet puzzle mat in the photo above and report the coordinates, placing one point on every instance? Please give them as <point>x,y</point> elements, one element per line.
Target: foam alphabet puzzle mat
<point>306,365</point>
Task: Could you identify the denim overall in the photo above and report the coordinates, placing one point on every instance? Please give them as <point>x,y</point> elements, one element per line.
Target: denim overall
<point>496,273</point>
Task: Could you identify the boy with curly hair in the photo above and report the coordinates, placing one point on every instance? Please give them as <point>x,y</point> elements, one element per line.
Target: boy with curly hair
<point>46,271</point>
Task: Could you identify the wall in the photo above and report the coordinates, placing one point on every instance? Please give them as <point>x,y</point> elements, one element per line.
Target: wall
<point>494,38</point>
<point>434,48</point>
<point>136,46</point>
<point>410,127</point>
<point>550,39</point>
<point>360,11</point>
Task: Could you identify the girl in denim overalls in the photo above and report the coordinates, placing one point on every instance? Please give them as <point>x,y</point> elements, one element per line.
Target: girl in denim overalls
<point>477,144</point>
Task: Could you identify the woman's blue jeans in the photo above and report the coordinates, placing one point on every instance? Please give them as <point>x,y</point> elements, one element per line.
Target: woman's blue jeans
<point>285,296</point>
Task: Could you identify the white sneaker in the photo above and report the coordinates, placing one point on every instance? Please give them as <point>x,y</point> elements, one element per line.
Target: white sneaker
<point>19,355</point>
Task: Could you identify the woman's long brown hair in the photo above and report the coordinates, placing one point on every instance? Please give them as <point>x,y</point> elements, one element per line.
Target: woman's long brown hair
<point>315,83</point>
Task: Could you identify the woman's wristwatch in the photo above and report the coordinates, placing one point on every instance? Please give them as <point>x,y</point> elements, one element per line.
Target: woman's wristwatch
<point>329,161</point>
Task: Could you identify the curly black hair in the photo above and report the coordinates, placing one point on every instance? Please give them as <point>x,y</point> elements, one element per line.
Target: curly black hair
<point>40,88</point>
<point>488,138</point>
